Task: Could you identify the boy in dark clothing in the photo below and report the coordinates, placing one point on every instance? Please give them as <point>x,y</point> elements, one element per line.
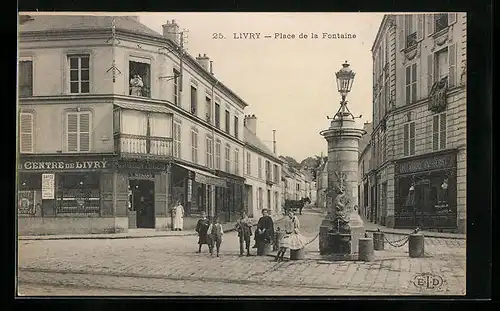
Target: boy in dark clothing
<point>244,228</point>
<point>202,229</point>
<point>215,233</point>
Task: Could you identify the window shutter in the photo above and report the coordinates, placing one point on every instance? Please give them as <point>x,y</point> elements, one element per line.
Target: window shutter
<point>435,132</point>
<point>452,53</point>
<point>412,138</point>
<point>420,27</point>
<point>26,133</point>
<point>430,72</point>
<point>72,132</point>
<point>84,132</point>
<point>452,18</point>
<point>401,25</point>
<point>430,24</point>
<point>405,139</point>
<point>442,134</point>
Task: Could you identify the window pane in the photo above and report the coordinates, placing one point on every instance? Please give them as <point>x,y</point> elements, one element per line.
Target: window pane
<point>408,74</point>
<point>73,75</point>
<point>85,62</point>
<point>414,92</point>
<point>412,130</point>
<point>85,75</point>
<point>73,63</point>
<point>74,87</point>
<point>414,72</point>
<point>85,87</point>
<point>408,94</point>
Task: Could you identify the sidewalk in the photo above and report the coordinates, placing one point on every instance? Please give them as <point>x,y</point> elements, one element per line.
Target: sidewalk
<point>131,234</point>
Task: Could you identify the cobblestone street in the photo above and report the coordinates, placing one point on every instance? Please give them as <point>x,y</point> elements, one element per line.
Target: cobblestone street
<point>171,266</point>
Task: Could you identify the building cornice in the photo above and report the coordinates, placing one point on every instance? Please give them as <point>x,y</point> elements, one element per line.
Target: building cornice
<point>111,98</point>
<point>159,41</point>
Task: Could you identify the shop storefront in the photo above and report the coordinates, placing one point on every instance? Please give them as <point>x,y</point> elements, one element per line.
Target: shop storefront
<point>229,201</point>
<point>60,193</point>
<point>196,189</point>
<point>426,191</point>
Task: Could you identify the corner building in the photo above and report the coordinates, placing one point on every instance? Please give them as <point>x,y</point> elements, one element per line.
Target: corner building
<point>417,174</point>
<point>113,130</point>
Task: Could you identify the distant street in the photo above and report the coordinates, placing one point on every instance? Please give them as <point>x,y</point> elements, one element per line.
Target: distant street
<point>171,266</point>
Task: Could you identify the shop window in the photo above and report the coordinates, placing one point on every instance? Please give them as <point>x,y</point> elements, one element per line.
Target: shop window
<point>78,131</point>
<point>78,194</point>
<point>25,77</point>
<point>140,78</point>
<point>79,74</point>
<point>26,132</point>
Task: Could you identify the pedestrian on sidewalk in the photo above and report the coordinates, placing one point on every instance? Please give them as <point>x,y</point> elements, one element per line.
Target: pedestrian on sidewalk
<point>215,233</point>
<point>202,230</point>
<point>265,229</point>
<point>292,239</point>
<point>244,228</point>
<point>178,216</point>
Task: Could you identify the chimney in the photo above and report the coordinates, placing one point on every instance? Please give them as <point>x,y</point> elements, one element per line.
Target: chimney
<point>171,31</point>
<point>274,141</point>
<point>250,123</point>
<point>204,61</point>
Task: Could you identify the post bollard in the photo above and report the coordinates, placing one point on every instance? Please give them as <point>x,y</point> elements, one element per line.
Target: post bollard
<point>297,254</point>
<point>416,245</point>
<point>378,240</point>
<point>365,249</point>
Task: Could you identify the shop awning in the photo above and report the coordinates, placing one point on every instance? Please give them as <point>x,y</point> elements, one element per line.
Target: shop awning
<point>144,107</point>
<point>205,177</point>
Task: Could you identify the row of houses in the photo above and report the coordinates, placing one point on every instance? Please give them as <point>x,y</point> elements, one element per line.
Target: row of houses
<point>117,123</point>
<point>412,161</point>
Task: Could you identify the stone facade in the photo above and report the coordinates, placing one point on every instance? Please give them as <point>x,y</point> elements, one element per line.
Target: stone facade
<point>410,56</point>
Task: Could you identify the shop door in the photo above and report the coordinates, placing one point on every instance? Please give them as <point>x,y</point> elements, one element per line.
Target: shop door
<point>143,197</point>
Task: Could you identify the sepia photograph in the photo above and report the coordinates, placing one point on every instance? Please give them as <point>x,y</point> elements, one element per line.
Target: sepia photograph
<point>241,154</point>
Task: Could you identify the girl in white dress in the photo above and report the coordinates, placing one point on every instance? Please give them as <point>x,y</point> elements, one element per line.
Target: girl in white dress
<point>292,239</point>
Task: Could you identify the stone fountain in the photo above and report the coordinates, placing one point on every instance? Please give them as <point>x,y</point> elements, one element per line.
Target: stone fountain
<point>342,227</point>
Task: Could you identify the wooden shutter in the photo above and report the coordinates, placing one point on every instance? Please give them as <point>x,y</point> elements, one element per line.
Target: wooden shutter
<point>435,132</point>
<point>72,132</point>
<point>452,61</point>
<point>405,139</point>
<point>430,71</point>
<point>401,25</point>
<point>420,27</point>
<point>452,18</point>
<point>84,132</point>
<point>442,131</point>
<point>26,133</point>
<point>412,138</point>
<point>430,24</point>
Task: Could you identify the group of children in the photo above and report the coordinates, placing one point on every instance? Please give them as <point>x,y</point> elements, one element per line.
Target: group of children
<point>211,233</point>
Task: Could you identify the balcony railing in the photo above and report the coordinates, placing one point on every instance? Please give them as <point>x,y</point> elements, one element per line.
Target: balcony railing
<point>138,146</point>
<point>411,40</point>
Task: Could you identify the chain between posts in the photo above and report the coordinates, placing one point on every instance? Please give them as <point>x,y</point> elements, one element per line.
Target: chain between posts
<point>401,242</point>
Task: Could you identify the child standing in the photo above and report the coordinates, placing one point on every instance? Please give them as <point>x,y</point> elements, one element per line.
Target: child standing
<point>215,233</point>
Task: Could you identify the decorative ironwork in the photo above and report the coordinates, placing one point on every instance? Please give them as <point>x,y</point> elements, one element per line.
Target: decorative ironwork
<point>441,22</point>
<point>143,146</point>
<point>437,96</point>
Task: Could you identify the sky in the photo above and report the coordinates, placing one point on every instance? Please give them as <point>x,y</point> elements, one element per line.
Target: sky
<point>289,84</point>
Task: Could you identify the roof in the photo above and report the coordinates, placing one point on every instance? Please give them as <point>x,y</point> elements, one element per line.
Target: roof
<point>254,141</point>
<point>84,22</point>
<point>144,107</point>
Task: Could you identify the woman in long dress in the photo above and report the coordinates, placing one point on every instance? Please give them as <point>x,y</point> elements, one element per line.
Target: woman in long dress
<point>292,239</point>
<point>178,217</point>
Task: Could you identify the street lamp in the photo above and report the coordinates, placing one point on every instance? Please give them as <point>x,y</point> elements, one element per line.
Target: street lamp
<point>345,79</point>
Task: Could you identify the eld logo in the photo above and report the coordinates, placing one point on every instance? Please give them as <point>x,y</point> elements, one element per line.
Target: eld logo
<point>428,281</point>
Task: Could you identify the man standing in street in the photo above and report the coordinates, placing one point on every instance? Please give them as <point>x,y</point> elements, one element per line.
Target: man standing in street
<point>244,228</point>
<point>265,229</point>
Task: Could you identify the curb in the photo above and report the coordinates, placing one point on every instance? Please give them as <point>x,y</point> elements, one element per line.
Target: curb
<point>115,237</point>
